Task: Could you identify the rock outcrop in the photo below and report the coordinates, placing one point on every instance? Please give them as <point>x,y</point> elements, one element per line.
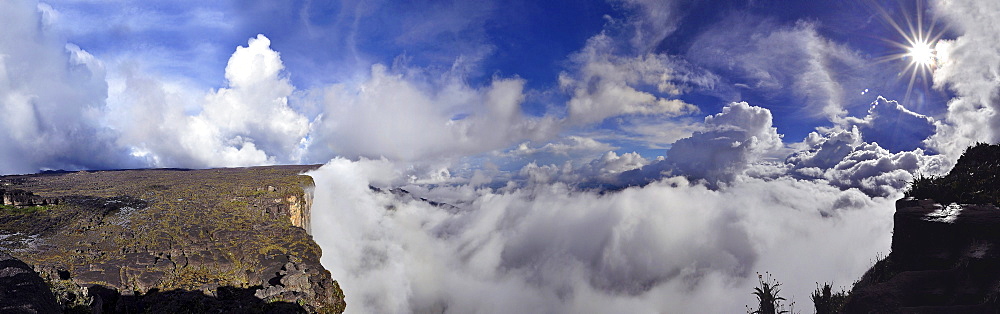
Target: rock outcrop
<point>22,290</point>
<point>944,260</point>
<point>17,197</point>
<point>945,245</point>
<point>136,240</point>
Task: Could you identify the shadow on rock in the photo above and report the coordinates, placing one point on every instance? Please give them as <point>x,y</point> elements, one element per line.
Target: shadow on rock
<point>225,300</point>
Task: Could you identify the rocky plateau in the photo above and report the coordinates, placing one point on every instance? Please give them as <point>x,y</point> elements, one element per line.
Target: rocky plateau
<point>232,240</point>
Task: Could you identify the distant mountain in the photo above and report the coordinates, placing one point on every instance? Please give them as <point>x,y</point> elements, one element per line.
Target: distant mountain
<point>168,240</point>
<point>945,245</point>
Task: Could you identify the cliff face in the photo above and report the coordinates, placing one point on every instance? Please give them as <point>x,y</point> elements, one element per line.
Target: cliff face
<point>944,260</point>
<point>945,245</point>
<point>136,240</point>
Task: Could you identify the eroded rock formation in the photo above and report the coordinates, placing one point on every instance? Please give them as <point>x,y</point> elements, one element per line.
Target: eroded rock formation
<point>15,197</point>
<point>135,240</point>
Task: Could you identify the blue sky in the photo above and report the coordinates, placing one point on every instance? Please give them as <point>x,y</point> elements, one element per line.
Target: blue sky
<point>586,145</point>
<point>326,42</point>
<point>629,75</point>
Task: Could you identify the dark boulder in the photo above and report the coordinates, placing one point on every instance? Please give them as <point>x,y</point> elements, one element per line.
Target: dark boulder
<point>22,290</point>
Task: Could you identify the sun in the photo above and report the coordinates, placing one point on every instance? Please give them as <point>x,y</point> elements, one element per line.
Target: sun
<point>922,54</point>
<point>917,47</point>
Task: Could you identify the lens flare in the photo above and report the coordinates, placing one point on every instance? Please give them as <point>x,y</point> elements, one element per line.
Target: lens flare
<point>917,47</point>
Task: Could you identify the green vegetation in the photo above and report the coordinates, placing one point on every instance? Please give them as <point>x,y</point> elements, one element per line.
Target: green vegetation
<point>970,182</point>
<point>23,210</point>
<point>71,296</point>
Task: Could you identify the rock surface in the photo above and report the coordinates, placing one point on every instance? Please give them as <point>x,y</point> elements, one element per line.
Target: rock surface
<point>945,245</point>
<point>944,260</point>
<point>22,290</point>
<point>15,197</point>
<point>230,240</point>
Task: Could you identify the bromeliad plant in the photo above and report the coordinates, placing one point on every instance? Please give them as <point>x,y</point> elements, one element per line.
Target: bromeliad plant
<point>768,300</point>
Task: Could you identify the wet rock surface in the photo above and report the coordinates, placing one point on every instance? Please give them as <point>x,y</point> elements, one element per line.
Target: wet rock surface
<point>230,240</point>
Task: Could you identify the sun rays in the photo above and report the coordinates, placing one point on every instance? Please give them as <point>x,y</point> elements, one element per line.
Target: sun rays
<point>918,47</point>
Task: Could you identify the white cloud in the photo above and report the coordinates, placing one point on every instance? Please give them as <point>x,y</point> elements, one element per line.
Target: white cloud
<point>247,123</point>
<point>596,172</point>
<point>606,85</point>
<point>826,151</point>
<point>390,115</point>
<point>774,59</point>
<point>893,126</point>
<point>968,66</point>
<point>652,22</point>
<point>611,164</point>
<point>52,95</point>
<point>731,140</point>
<point>256,103</point>
<point>875,170</point>
<point>563,146</point>
<point>668,246</point>
<point>842,158</point>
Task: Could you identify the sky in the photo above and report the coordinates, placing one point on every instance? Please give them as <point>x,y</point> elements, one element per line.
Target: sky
<point>592,155</point>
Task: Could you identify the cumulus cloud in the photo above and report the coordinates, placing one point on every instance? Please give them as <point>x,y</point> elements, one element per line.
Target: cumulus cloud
<point>669,246</point>
<point>247,123</point>
<point>393,115</point>
<point>842,158</point>
<point>892,126</point>
<point>741,142</point>
<point>52,95</point>
<point>873,169</point>
<point>607,84</point>
<point>968,66</point>
<point>739,135</point>
<point>826,151</point>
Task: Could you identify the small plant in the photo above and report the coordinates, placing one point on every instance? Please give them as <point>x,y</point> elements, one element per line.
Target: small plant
<point>768,300</point>
<point>881,271</point>
<point>70,296</point>
<point>826,301</point>
<point>24,210</point>
<point>924,186</point>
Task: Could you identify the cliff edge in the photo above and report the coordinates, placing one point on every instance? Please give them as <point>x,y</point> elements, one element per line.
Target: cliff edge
<point>945,245</point>
<point>132,241</point>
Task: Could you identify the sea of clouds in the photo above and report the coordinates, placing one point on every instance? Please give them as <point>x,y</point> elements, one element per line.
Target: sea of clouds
<point>548,247</point>
<point>441,196</point>
<point>686,233</point>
